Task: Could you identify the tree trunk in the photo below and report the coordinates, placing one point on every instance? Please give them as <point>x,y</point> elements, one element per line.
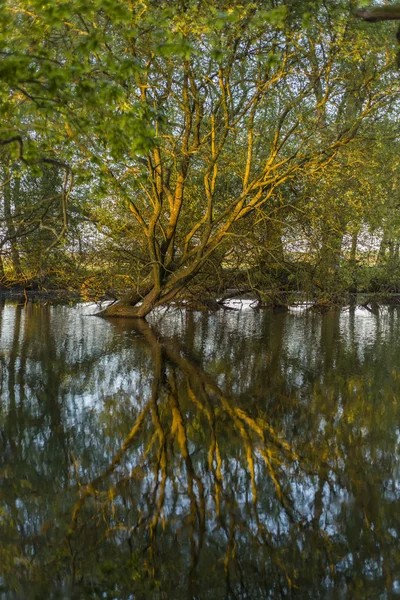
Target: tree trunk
<point>326,272</point>
<point>2,273</point>
<point>383,248</point>
<point>274,245</point>
<point>136,304</point>
<point>353,250</point>
<point>139,305</point>
<point>11,231</point>
<point>393,251</point>
<point>331,252</point>
<point>379,13</point>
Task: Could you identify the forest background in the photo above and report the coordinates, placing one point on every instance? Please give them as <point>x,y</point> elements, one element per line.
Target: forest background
<point>157,151</point>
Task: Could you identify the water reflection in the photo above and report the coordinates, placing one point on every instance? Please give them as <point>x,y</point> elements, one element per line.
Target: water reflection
<point>237,455</point>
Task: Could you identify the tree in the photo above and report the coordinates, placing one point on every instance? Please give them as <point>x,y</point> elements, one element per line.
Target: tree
<point>193,116</point>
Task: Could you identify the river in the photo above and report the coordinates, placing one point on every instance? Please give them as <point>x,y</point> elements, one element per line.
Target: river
<point>239,454</point>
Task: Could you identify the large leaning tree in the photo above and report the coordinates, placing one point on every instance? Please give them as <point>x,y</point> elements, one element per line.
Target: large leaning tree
<point>191,115</point>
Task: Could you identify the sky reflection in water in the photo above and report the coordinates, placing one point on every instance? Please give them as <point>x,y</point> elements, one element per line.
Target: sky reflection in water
<point>231,455</point>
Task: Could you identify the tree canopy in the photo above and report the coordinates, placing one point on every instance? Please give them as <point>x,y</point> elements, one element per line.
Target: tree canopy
<point>194,145</point>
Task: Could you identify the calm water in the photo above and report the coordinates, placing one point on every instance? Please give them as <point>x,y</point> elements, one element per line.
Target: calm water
<point>232,455</point>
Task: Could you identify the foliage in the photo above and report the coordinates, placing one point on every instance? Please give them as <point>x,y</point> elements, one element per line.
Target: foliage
<point>186,132</point>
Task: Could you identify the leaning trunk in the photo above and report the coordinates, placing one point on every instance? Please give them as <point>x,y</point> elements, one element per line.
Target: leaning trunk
<point>139,306</point>
<point>133,305</point>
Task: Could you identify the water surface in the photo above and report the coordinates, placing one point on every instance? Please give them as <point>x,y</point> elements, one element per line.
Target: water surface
<point>239,454</point>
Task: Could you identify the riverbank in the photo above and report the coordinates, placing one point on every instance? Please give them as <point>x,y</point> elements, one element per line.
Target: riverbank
<point>231,300</point>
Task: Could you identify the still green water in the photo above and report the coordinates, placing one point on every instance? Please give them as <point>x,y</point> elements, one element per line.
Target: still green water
<point>241,454</point>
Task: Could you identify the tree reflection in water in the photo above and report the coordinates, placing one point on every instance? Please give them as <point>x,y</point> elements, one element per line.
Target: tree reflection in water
<point>248,455</point>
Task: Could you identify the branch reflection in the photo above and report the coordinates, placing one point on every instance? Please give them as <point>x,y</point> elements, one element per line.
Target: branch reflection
<point>183,485</point>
